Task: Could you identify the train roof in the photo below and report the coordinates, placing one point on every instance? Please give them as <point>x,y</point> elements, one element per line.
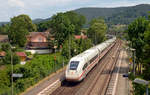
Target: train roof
<point>93,50</point>
<point>85,55</point>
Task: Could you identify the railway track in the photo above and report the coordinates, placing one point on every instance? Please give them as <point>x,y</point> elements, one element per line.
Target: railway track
<point>97,74</point>
<point>102,79</point>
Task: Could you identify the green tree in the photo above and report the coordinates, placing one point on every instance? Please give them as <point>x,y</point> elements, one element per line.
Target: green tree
<point>147,53</point>
<point>4,82</point>
<point>139,35</point>
<point>61,28</point>
<point>77,20</point>
<point>118,30</point>
<point>19,28</point>
<point>139,89</point>
<point>7,58</point>
<point>5,47</point>
<point>83,44</point>
<point>73,48</point>
<point>4,29</point>
<point>97,30</point>
<point>76,46</point>
<point>86,44</point>
<point>43,26</point>
<point>136,35</point>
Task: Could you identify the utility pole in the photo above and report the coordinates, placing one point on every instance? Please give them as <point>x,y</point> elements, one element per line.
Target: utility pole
<point>69,45</point>
<point>147,90</point>
<point>55,63</point>
<point>62,55</point>
<point>63,60</point>
<point>11,73</point>
<point>55,60</point>
<point>134,62</point>
<point>144,82</point>
<point>133,50</point>
<point>95,39</point>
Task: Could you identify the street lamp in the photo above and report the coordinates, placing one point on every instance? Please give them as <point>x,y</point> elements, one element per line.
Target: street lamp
<point>62,55</point>
<point>55,58</point>
<point>141,81</point>
<point>69,46</point>
<point>11,69</point>
<point>132,49</point>
<point>95,39</point>
<point>11,72</point>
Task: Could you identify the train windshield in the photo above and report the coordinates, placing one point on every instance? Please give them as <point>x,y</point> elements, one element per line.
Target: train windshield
<point>74,65</point>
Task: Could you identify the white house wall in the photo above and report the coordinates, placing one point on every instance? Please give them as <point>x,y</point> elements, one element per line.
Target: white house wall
<point>45,51</point>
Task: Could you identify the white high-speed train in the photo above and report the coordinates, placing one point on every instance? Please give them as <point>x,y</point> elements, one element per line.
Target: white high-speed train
<point>81,64</point>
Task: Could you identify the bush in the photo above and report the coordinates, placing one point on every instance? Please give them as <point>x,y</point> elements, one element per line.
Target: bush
<point>7,58</point>
<point>33,71</point>
<point>6,47</point>
<point>35,55</point>
<point>139,89</point>
<point>131,76</point>
<point>1,62</point>
<point>28,53</point>
<point>19,49</point>
<point>4,82</point>
<point>76,47</point>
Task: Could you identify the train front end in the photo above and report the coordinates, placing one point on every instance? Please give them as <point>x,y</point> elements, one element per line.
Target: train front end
<point>73,71</point>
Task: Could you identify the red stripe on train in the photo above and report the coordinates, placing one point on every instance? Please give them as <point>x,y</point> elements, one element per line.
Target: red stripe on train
<point>98,58</point>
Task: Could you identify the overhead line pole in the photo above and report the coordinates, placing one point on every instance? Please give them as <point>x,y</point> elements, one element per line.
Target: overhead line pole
<point>134,62</point>
<point>69,45</point>
<point>11,73</point>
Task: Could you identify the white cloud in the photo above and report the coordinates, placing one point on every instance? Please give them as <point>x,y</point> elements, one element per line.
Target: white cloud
<point>46,8</point>
<point>16,3</point>
<point>119,3</point>
<point>53,3</point>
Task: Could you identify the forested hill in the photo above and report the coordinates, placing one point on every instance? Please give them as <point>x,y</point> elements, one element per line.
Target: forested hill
<point>119,15</point>
<point>1,23</point>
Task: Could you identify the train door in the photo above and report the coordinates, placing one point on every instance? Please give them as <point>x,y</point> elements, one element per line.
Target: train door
<point>85,70</point>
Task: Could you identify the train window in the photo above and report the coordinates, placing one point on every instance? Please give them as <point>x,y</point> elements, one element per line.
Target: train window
<point>85,66</point>
<point>93,58</point>
<point>74,65</point>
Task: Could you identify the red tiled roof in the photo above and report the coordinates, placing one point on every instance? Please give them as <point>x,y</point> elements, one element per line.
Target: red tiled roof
<point>80,36</point>
<point>2,53</point>
<point>77,36</point>
<point>21,54</point>
<point>32,34</point>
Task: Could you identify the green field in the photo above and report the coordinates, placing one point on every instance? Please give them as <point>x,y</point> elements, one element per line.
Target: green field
<point>33,71</point>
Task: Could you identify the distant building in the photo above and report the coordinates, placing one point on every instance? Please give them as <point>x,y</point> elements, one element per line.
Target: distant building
<point>4,38</point>
<point>2,54</point>
<point>38,36</point>
<point>22,55</point>
<point>80,37</point>
<point>37,40</point>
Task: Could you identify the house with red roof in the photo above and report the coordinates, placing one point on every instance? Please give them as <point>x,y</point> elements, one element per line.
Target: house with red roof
<point>80,37</point>
<point>22,56</point>
<point>2,54</point>
<point>37,40</point>
<point>38,36</point>
<point>4,38</point>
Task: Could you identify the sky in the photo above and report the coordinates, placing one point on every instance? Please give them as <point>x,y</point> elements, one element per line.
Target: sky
<point>46,8</point>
